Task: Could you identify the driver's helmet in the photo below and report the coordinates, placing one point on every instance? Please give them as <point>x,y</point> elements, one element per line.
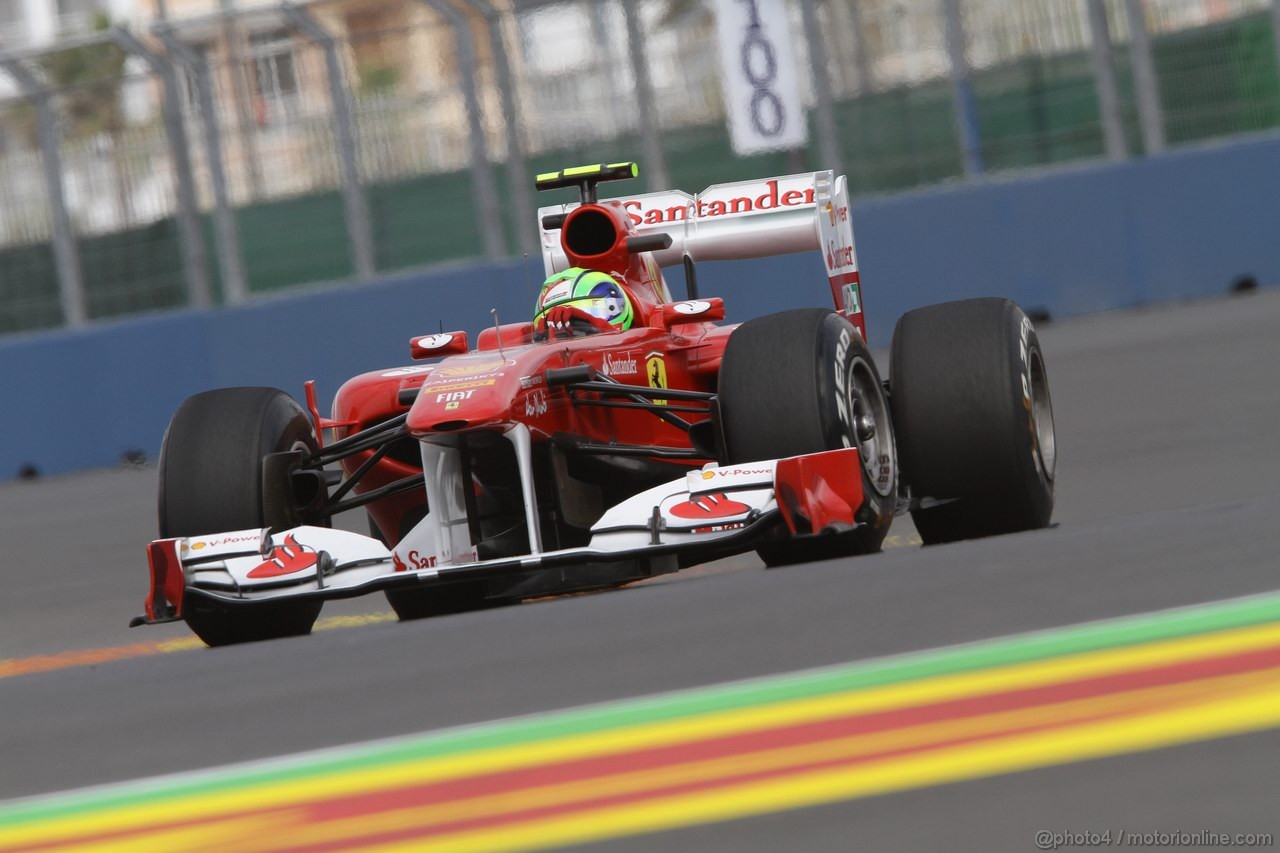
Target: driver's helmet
<point>596,293</point>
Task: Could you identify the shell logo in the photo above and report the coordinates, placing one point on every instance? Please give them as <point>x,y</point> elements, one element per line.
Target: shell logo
<point>708,475</point>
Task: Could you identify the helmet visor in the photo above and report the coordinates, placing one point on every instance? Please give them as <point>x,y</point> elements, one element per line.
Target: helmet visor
<point>602,307</point>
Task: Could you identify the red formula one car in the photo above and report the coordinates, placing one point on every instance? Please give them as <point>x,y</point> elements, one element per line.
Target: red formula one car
<point>622,435</point>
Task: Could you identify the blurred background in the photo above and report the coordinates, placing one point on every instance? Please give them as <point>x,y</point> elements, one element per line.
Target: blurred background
<point>164,153</point>
<point>200,193</point>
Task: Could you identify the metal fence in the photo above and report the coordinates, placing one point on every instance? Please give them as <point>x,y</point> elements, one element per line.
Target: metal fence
<point>228,152</point>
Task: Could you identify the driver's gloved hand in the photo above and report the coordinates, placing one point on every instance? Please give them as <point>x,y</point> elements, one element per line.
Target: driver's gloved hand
<point>560,322</point>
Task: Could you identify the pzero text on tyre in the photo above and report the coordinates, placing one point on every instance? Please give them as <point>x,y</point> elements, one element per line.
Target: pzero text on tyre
<point>970,397</point>
<point>803,382</point>
<point>211,481</point>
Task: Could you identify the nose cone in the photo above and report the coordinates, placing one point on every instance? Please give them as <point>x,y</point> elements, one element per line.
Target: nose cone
<point>465,393</point>
<point>444,409</point>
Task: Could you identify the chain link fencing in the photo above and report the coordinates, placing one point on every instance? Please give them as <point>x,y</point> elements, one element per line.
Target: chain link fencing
<point>221,153</point>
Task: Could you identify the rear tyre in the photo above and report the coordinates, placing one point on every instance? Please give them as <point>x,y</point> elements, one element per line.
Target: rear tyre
<point>971,402</point>
<point>211,481</point>
<point>803,382</point>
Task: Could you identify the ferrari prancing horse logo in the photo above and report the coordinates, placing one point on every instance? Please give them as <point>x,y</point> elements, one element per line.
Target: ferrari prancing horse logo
<point>655,367</point>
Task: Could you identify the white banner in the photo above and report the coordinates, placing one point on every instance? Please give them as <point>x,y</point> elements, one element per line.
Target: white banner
<point>758,66</point>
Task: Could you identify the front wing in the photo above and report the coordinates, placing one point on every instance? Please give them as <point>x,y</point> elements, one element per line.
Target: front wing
<point>715,509</point>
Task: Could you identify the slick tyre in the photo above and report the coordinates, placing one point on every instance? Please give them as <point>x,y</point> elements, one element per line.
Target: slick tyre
<point>801,382</point>
<point>970,398</point>
<point>211,480</point>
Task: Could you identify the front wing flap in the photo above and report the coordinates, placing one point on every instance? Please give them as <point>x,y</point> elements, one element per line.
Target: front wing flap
<point>715,508</point>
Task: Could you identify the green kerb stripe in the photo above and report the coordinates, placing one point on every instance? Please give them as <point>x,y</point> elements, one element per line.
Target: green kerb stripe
<point>1126,631</point>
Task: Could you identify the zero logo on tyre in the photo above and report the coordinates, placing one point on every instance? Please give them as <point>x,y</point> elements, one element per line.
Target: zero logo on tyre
<point>842,389</point>
<point>1024,335</point>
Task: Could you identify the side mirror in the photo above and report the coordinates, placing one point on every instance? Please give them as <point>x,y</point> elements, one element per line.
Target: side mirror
<point>435,346</point>
<point>692,311</point>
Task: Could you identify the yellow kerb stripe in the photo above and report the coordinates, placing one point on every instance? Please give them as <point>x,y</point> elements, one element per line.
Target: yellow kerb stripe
<point>1260,710</point>
<point>684,730</point>
<point>729,767</point>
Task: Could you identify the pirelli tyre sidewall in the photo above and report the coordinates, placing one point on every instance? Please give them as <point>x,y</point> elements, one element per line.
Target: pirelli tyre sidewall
<point>970,395</point>
<point>856,394</point>
<point>795,383</point>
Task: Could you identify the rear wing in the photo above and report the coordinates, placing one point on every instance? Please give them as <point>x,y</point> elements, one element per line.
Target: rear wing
<point>744,219</point>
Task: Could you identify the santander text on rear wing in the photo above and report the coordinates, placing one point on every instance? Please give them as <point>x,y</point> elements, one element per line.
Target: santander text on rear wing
<point>745,219</point>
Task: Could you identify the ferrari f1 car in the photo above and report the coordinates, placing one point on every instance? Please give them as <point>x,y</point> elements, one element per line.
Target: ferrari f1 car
<point>563,458</point>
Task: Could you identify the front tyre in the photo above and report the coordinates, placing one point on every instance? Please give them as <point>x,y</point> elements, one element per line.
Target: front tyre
<point>804,382</point>
<point>971,401</point>
<point>211,481</point>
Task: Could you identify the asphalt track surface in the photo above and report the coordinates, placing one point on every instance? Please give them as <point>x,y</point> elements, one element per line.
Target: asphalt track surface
<point>1168,495</point>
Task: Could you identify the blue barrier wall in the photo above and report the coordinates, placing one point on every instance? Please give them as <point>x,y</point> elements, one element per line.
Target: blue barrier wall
<point>1075,240</point>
